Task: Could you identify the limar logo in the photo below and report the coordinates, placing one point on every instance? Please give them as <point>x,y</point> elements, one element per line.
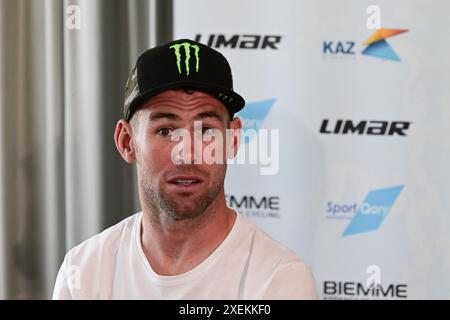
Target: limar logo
<point>187,51</point>
<point>373,210</point>
<point>377,45</point>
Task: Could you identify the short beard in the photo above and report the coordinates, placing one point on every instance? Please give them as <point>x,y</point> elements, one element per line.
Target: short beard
<point>161,202</point>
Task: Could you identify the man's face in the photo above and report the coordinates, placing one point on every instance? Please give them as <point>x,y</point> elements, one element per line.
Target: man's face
<point>185,189</point>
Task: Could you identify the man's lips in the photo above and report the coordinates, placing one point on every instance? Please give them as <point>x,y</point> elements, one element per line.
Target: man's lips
<point>185,182</point>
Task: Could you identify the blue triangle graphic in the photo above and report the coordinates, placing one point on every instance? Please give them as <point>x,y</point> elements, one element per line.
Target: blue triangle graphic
<point>254,114</point>
<point>381,49</point>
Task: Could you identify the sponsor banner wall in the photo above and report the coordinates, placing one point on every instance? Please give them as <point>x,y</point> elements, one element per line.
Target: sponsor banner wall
<point>359,181</point>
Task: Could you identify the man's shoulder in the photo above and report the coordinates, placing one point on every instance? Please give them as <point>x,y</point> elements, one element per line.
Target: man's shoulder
<point>277,272</point>
<point>104,243</point>
<point>267,248</point>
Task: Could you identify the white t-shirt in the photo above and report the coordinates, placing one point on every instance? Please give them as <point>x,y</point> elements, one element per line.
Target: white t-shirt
<point>248,264</point>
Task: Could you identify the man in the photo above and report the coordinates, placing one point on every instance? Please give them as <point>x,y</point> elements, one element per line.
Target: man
<point>186,243</point>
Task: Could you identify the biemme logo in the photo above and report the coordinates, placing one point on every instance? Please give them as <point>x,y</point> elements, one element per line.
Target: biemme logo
<point>266,206</point>
<point>373,210</point>
<point>378,47</point>
<point>187,50</point>
<point>253,116</point>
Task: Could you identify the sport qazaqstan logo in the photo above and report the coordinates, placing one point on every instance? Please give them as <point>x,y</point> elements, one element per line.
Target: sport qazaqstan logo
<point>377,45</point>
<point>253,116</point>
<point>370,214</point>
<point>373,210</point>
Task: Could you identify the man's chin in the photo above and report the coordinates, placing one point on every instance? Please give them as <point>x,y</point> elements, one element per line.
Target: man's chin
<point>187,205</point>
<point>185,209</point>
<point>184,214</point>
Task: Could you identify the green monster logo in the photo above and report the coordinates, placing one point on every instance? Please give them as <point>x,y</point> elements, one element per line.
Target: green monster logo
<point>187,50</point>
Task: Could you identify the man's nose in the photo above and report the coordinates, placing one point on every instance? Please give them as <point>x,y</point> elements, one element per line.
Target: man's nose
<point>197,142</point>
<point>192,145</point>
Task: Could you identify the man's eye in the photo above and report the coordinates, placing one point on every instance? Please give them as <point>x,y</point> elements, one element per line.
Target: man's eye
<point>165,132</point>
<point>204,130</point>
<point>207,130</point>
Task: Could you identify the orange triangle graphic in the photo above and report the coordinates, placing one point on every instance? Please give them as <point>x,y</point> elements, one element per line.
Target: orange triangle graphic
<point>383,34</point>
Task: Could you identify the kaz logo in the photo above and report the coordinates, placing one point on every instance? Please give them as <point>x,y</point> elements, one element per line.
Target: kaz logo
<point>339,47</point>
<point>376,46</point>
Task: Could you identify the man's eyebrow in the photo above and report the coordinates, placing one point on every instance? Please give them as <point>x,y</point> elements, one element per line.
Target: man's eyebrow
<point>209,114</point>
<point>163,115</point>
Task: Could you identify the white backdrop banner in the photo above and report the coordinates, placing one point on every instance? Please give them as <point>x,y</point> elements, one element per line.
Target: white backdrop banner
<point>357,96</point>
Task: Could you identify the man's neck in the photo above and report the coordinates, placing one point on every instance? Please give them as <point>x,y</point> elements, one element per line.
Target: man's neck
<point>177,246</point>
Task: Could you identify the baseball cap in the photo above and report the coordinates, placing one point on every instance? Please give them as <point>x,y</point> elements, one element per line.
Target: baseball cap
<point>181,63</point>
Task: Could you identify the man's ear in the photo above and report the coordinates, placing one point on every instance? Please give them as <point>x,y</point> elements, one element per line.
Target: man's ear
<point>123,136</point>
<point>236,130</point>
